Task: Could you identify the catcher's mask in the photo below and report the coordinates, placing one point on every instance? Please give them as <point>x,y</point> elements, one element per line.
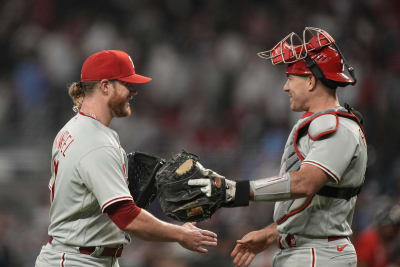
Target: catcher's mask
<point>316,53</point>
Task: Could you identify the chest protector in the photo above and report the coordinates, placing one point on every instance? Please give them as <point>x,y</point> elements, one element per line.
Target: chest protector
<point>292,159</point>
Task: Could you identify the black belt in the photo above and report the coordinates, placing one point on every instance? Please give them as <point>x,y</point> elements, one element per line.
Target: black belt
<point>291,240</point>
<point>107,252</point>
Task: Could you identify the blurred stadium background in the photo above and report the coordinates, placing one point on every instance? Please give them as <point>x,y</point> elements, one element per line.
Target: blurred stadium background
<point>210,95</point>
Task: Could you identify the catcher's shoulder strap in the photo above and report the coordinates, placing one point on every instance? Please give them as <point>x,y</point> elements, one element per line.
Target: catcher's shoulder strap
<point>336,192</point>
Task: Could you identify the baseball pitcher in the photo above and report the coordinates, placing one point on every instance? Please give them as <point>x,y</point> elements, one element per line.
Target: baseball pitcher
<point>93,213</point>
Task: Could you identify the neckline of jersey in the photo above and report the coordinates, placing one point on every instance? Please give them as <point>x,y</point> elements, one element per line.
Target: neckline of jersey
<point>90,115</point>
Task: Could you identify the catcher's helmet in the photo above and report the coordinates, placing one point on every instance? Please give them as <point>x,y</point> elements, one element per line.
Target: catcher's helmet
<point>318,55</point>
<point>328,60</point>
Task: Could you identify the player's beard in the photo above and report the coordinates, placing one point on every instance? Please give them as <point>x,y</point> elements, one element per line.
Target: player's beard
<point>119,106</point>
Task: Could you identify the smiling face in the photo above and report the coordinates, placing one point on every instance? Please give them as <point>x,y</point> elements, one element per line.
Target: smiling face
<point>119,101</point>
<point>296,87</point>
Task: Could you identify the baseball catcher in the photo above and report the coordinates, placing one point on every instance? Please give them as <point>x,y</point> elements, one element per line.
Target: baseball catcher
<point>322,168</point>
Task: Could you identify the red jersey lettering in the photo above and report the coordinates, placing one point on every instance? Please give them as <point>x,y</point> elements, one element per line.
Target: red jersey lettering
<point>63,141</point>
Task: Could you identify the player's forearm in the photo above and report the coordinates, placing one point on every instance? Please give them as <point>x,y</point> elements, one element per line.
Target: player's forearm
<point>303,183</point>
<point>147,227</point>
<point>275,188</point>
<point>280,188</point>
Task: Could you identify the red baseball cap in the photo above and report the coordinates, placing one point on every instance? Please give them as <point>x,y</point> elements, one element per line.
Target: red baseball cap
<point>111,65</point>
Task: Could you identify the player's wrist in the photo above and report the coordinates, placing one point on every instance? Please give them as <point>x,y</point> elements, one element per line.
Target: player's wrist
<point>230,187</point>
<point>272,233</point>
<point>237,193</point>
<point>181,234</point>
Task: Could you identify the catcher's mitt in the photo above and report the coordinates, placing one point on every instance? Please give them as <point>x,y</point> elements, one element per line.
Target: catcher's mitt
<point>183,202</point>
<point>142,169</point>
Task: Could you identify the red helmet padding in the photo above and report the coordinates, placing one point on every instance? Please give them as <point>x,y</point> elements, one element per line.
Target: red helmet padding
<point>328,60</point>
<point>282,52</point>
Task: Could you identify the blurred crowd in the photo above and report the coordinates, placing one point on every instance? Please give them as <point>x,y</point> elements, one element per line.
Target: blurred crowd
<point>210,95</point>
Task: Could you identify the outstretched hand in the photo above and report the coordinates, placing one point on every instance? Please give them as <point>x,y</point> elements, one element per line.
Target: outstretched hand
<point>195,238</point>
<point>253,243</point>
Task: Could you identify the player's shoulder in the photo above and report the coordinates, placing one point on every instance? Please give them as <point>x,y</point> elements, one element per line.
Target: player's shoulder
<point>329,124</point>
<point>90,134</point>
<point>323,125</point>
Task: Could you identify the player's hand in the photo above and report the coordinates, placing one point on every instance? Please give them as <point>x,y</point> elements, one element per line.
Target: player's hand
<point>253,243</point>
<point>195,238</point>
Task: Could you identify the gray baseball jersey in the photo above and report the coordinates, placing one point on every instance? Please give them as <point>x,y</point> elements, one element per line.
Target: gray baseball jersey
<point>88,174</point>
<point>335,144</point>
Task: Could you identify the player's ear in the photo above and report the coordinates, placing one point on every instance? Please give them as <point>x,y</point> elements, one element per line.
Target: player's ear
<point>311,82</point>
<point>105,86</point>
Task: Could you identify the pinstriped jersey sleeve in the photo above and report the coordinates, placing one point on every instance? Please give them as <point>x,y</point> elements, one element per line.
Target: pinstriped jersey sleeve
<point>333,153</point>
<point>102,171</point>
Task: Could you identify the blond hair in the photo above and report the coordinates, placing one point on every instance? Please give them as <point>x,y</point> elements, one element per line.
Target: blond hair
<point>78,90</point>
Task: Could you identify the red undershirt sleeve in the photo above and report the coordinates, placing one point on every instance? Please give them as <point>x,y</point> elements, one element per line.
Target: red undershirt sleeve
<point>123,213</point>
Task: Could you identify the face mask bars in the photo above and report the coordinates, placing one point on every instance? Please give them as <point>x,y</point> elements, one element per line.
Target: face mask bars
<point>284,52</point>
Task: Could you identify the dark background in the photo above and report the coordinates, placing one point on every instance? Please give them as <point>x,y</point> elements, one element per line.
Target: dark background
<point>210,95</point>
